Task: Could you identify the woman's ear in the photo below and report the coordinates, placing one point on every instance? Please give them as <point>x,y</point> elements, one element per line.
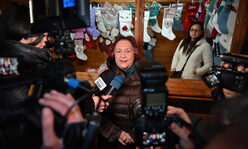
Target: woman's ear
<point>136,53</point>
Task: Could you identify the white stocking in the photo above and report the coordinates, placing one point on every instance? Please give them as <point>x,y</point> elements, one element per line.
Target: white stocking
<point>79,49</point>
<point>125,18</point>
<point>146,37</point>
<point>167,23</point>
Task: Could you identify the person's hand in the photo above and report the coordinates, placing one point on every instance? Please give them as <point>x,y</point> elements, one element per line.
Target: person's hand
<point>194,71</point>
<point>61,103</point>
<point>125,138</point>
<point>50,139</point>
<point>229,93</point>
<point>182,132</point>
<point>103,103</point>
<point>173,69</point>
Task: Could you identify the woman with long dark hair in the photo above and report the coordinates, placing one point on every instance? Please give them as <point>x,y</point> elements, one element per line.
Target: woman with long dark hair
<point>197,49</point>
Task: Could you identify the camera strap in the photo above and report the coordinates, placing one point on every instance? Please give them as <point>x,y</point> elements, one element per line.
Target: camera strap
<point>188,57</point>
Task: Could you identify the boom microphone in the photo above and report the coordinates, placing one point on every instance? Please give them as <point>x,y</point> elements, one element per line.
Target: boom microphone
<point>115,84</point>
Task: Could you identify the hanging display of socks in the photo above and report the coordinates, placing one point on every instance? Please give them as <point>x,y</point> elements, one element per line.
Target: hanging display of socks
<point>108,21</point>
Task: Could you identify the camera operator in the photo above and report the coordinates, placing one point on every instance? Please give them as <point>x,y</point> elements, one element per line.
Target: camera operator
<point>220,93</point>
<point>18,41</point>
<point>183,133</point>
<point>61,103</point>
<point>160,124</point>
<point>232,122</point>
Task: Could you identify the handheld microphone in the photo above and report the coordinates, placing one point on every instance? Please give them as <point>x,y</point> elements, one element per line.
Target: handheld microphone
<point>115,84</point>
<point>102,82</point>
<point>74,83</point>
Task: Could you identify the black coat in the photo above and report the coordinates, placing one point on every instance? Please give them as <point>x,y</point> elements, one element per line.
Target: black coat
<point>118,116</point>
<point>31,62</point>
<point>31,59</point>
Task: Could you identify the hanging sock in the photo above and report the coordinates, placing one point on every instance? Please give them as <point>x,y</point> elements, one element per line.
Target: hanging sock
<point>90,41</point>
<point>100,25</point>
<point>202,11</point>
<point>146,37</point>
<point>209,5</point>
<point>177,25</point>
<point>222,20</point>
<point>113,34</point>
<point>125,20</point>
<point>149,47</point>
<point>169,14</point>
<point>105,45</point>
<point>154,11</point>
<point>79,33</point>
<point>79,49</point>
<point>110,18</point>
<point>191,9</point>
<point>92,29</point>
<point>132,8</point>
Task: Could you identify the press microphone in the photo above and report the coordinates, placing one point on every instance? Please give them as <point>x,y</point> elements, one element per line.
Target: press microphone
<point>115,84</point>
<point>74,83</point>
<point>102,82</point>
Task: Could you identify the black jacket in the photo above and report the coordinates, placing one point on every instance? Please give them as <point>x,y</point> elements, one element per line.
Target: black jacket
<point>31,59</point>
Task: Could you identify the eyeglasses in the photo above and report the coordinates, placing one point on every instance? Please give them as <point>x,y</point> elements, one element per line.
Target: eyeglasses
<point>195,30</point>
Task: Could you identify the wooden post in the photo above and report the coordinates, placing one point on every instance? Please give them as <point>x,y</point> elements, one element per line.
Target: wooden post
<point>139,24</point>
<point>241,28</point>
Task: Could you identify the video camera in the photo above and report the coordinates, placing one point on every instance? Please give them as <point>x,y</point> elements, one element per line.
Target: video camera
<point>57,17</point>
<point>229,78</point>
<point>153,127</point>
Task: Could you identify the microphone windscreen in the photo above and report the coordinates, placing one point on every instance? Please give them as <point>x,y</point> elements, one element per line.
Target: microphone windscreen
<point>116,82</point>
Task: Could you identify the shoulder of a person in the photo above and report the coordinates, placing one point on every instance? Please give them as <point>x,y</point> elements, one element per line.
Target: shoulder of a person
<point>203,41</point>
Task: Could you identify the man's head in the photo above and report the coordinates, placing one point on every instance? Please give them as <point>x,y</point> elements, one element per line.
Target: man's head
<point>15,25</point>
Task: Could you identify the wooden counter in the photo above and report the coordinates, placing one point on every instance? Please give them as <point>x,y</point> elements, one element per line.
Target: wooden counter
<point>192,95</point>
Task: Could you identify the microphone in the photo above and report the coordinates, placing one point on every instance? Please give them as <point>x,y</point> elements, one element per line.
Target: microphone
<point>115,84</point>
<point>102,82</point>
<point>74,83</point>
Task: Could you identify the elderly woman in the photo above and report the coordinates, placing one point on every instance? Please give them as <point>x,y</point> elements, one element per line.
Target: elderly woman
<point>197,50</point>
<point>117,129</point>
